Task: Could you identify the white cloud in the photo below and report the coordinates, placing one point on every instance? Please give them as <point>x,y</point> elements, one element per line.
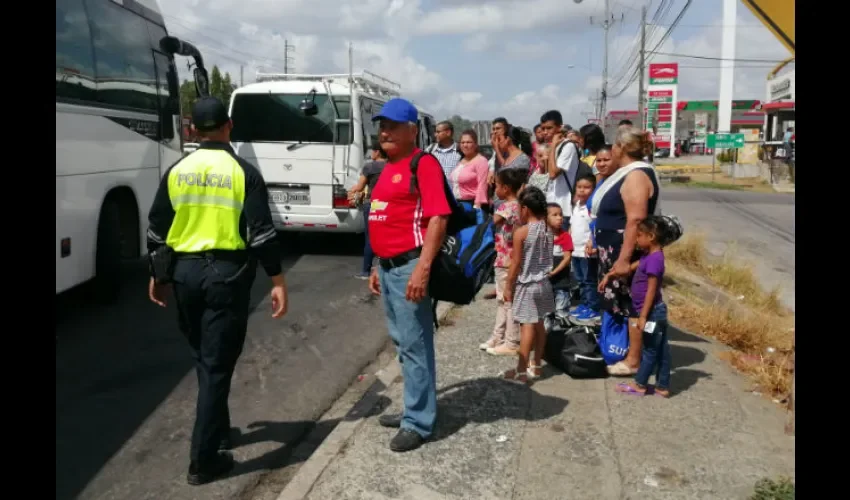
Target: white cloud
<point>699,79</point>
<point>500,16</point>
<point>252,33</point>
<point>523,108</point>
<point>319,31</point>
<point>483,42</point>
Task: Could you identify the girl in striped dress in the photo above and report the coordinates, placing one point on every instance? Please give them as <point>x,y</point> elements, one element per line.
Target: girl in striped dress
<point>528,287</point>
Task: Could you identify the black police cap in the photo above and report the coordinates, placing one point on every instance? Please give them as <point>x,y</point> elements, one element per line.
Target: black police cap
<point>209,113</point>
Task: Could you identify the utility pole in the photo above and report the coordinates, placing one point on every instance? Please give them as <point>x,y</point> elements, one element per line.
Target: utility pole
<point>287,59</point>
<point>641,90</point>
<point>241,75</point>
<point>607,22</point>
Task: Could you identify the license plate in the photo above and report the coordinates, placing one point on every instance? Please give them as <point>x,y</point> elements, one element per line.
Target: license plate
<point>289,196</point>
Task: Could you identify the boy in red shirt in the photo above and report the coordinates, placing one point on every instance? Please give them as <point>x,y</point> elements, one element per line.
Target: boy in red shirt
<point>561,256</point>
<point>407,226</point>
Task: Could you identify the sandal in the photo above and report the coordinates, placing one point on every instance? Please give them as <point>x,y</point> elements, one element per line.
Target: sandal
<point>534,371</point>
<point>621,369</point>
<point>513,376</point>
<point>627,388</point>
<point>664,393</point>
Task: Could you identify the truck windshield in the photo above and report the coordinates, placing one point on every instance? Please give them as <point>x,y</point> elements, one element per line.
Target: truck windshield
<point>276,118</point>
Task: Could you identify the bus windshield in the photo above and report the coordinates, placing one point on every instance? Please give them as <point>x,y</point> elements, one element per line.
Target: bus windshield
<point>277,118</point>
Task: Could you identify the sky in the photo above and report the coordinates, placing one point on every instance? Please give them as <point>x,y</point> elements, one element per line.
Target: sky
<point>480,58</point>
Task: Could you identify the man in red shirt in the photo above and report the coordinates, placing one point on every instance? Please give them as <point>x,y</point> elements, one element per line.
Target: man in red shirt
<point>407,227</point>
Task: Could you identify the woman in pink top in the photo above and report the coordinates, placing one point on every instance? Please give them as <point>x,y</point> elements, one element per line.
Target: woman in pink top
<point>469,179</point>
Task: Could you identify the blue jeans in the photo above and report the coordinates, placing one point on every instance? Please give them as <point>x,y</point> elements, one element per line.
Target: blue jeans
<point>368,254</point>
<point>585,273</point>
<point>411,327</point>
<point>655,355</point>
<point>562,302</point>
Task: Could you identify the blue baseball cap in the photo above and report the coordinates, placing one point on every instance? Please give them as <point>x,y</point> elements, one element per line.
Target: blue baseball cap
<point>398,110</point>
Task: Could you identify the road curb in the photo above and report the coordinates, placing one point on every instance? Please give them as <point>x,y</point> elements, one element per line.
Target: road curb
<point>311,470</point>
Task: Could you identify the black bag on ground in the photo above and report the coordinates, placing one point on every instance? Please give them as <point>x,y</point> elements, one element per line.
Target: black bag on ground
<point>576,352</point>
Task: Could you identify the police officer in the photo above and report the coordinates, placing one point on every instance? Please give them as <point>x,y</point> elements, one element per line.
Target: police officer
<point>211,214</point>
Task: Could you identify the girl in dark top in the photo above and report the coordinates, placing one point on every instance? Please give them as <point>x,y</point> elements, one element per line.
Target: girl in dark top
<point>652,236</point>
<point>361,193</point>
<point>628,195</point>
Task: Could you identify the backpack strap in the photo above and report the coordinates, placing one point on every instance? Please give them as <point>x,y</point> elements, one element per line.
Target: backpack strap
<point>558,151</point>
<point>414,167</point>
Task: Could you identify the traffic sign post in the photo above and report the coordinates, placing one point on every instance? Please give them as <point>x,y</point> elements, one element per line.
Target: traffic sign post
<point>725,141</point>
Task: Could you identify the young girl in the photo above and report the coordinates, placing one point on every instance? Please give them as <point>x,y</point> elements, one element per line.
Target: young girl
<point>561,256</point>
<point>652,320</point>
<point>528,284</point>
<point>505,338</point>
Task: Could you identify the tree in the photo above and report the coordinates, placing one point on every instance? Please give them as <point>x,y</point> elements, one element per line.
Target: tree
<point>220,87</point>
<point>188,96</point>
<point>216,83</point>
<point>227,88</point>
<point>460,124</point>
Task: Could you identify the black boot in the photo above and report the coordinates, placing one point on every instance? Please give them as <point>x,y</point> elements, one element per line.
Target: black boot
<point>207,471</point>
<point>391,420</point>
<point>406,440</point>
<point>230,435</point>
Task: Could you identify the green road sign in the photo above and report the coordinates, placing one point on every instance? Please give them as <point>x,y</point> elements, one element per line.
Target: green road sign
<point>724,141</point>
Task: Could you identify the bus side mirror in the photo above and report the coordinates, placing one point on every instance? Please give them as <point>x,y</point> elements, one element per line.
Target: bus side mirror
<point>202,82</point>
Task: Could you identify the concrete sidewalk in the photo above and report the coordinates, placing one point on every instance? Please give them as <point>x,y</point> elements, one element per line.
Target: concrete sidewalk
<point>560,438</point>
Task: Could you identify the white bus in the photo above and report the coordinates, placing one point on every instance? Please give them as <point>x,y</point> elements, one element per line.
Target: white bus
<point>117,129</point>
<point>310,159</point>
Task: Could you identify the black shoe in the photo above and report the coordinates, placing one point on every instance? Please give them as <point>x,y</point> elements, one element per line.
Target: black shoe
<point>406,440</point>
<point>210,471</point>
<point>392,420</point>
<point>226,443</point>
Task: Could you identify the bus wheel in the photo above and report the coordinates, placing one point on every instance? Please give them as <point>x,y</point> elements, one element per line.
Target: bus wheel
<point>108,253</point>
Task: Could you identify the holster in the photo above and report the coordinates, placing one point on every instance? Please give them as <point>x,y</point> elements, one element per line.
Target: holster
<point>162,264</point>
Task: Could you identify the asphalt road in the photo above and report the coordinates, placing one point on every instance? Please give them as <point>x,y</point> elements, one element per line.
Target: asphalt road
<point>125,387</point>
<point>758,226</point>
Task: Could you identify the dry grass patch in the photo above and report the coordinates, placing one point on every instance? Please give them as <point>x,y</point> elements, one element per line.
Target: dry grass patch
<point>762,343</point>
<point>727,272</point>
<point>750,321</point>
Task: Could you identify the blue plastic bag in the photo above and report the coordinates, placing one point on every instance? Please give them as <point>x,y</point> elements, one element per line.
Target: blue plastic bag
<point>614,337</point>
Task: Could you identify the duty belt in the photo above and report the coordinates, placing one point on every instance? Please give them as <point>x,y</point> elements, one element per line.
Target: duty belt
<point>400,260</point>
<point>237,256</point>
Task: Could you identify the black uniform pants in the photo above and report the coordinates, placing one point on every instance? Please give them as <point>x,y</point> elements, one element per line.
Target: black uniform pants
<point>213,298</point>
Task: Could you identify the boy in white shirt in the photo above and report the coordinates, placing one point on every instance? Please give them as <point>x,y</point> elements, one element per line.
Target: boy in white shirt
<point>564,165</point>
<point>584,267</point>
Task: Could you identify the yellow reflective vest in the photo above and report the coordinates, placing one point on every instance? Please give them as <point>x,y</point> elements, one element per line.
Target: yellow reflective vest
<point>207,190</point>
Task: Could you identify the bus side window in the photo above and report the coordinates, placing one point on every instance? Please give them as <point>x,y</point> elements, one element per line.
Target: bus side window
<point>369,128</point>
<point>426,130</point>
<point>343,104</point>
<point>125,70</point>
<point>169,104</point>
<point>75,77</point>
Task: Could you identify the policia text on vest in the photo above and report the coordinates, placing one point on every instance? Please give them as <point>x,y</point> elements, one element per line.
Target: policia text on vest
<point>211,213</point>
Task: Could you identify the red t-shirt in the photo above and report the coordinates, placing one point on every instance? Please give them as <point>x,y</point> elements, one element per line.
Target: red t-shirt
<point>565,241</point>
<point>398,218</point>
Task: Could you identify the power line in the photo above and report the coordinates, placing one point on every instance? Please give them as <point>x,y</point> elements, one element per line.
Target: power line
<point>210,41</point>
<point>654,50</point>
<point>774,61</point>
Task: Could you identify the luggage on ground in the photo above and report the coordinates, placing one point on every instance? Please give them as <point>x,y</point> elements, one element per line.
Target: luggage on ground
<point>575,351</point>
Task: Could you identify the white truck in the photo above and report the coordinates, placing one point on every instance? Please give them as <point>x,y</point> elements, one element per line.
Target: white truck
<point>310,135</point>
